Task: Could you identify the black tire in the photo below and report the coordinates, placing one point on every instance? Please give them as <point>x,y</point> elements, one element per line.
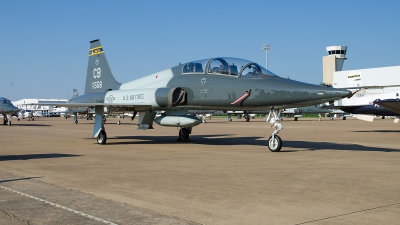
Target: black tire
<point>247,118</point>
<point>274,144</point>
<point>119,122</point>
<point>344,118</point>
<point>295,119</point>
<point>183,134</point>
<point>102,138</point>
<point>76,121</point>
<point>9,123</point>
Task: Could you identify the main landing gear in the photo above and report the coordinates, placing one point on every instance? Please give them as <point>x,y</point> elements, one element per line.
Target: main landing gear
<point>76,118</point>
<point>184,133</point>
<point>274,141</point>
<point>7,119</point>
<point>102,137</point>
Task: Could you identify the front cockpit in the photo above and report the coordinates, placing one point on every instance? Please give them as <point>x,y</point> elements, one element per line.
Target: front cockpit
<point>227,66</point>
<point>5,101</point>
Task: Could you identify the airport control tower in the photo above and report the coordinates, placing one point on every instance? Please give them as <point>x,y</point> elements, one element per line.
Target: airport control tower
<point>333,62</point>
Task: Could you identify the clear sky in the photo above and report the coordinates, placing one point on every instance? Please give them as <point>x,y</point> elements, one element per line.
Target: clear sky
<point>44,44</point>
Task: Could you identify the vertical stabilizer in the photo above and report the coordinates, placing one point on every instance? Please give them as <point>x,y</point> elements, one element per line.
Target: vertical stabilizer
<point>99,77</point>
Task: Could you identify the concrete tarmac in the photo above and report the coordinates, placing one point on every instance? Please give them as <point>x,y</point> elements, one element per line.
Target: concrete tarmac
<point>328,172</point>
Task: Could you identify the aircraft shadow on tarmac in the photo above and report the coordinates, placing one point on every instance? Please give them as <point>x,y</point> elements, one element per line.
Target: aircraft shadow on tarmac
<point>34,156</point>
<point>18,179</point>
<point>224,139</point>
<point>30,125</point>
<point>315,146</point>
<point>378,131</point>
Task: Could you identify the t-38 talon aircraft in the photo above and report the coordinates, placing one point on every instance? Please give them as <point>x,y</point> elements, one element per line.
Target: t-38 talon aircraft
<point>7,109</point>
<point>211,84</point>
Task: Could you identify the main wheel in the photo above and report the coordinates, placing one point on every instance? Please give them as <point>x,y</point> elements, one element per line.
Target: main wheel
<point>247,118</point>
<point>295,119</point>
<point>119,122</point>
<point>76,121</point>
<point>9,123</point>
<point>344,118</point>
<point>183,134</point>
<point>274,144</point>
<point>102,138</point>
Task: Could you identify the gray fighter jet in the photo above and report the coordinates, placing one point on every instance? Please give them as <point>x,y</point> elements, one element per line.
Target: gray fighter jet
<point>74,111</point>
<point>298,112</point>
<point>221,83</point>
<point>7,109</point>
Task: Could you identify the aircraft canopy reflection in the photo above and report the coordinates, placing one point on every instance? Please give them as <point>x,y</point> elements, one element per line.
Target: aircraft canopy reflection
<point>227,66</point>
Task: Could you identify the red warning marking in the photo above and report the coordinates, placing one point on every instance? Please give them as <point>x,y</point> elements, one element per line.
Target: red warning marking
<point>241,98</point>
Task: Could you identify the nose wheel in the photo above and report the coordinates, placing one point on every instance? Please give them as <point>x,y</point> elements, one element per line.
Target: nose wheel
<point>274,143</point>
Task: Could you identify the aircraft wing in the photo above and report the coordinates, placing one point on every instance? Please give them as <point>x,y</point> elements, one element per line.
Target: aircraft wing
<point>391,104</point>
<point>371,87</point>
<point>91,105</point>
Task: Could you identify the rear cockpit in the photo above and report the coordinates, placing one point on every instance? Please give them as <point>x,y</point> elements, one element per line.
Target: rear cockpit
<point>227,66</point>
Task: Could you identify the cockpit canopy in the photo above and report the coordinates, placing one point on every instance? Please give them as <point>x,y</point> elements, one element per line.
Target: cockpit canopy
<point>227,66</point>
<point>4,101</point>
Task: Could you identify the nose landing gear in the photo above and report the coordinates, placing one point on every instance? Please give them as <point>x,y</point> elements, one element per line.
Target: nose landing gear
<point>274,141</point>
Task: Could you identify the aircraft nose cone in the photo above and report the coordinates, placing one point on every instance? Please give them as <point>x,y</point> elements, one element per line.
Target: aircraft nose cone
<point>341,93</point>
<point>335,94</point>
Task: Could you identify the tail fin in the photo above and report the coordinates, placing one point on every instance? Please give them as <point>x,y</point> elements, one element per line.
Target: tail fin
<point>74,93</point>
<point>99,77</point>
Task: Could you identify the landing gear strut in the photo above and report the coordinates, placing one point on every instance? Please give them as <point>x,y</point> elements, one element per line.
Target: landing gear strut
<point>76,118</point>
<point>274,142</point>
<point>7,119</point>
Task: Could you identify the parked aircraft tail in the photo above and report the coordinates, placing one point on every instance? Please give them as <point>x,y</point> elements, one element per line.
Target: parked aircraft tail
<point>99,77</point>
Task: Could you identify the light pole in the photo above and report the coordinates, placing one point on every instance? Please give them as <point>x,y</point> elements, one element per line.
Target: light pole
<point>266,48</point>
<point>10,90</point>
